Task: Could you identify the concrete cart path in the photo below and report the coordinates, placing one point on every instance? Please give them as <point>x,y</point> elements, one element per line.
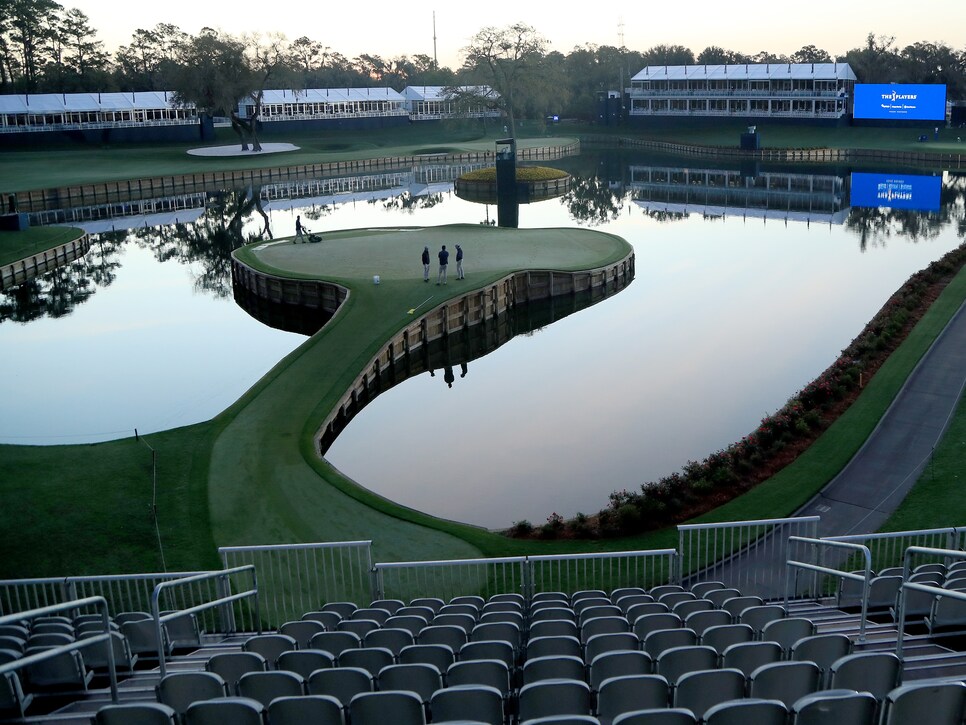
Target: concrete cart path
<point>873,484</point>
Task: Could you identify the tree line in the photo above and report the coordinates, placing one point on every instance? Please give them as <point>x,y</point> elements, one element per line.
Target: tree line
<point>47,48</point>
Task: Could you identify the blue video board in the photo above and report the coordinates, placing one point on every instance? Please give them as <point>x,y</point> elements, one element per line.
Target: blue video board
<point>900,102</point>
<point>920,193</point>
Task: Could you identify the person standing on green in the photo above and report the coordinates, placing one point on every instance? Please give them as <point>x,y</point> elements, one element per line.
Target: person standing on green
<point>425,264</point>
<point>443,261</point>
<point>459,262</point>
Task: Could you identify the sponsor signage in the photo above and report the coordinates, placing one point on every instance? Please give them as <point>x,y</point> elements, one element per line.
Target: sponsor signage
<point>920,193</point>
<point>900,102</point>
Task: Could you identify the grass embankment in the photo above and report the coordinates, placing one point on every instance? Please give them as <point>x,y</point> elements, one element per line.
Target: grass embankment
<point>15,246</point>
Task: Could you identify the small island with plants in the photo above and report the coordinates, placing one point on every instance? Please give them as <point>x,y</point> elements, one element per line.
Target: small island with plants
<point>534,183</point>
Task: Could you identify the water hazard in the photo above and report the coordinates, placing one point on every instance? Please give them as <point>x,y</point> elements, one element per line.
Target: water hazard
<point>749,281</point>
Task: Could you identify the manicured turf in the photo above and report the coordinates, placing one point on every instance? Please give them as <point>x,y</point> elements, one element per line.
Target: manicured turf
<point>15,246</point>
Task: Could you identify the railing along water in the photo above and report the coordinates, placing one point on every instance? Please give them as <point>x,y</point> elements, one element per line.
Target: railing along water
<point>747,555</point>
<point>297,578</point>
<point>449,578</point>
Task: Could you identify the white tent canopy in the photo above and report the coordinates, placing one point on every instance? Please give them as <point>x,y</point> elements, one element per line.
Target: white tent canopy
<point>747,71</point>
<point>34,103</point>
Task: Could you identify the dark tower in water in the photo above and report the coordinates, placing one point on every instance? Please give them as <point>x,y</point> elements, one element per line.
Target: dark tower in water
<point>508,208</point>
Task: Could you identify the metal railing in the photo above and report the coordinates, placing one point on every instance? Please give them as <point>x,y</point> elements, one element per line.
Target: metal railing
<point>791,583</point>
<point>889,548</point>
<point>746,555</point>
<point>908,586</point>
<point>75,605</point>
<point>123,592</point>
<point>524,575</point>
<point>606,570</point>
<point>297,578</point>
<point>222,602</point>
<point>449,578</point>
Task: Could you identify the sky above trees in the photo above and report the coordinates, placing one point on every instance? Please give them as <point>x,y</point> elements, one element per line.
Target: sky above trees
<point>392,28</point>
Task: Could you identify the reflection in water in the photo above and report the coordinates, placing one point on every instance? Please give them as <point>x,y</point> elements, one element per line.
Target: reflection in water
<point>469,344</point>
<point>290,318</point>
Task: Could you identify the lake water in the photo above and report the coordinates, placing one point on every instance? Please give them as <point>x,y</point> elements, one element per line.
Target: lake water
<point>749,282</point>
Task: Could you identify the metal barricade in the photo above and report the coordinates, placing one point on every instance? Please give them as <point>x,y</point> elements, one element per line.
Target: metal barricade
<point>747,555</point>
<point>605,571</point>
<point>297,578</point>
<point>222,602</point>
<point>406,580</point>
<point>888,549</point>
<point>865,577</point>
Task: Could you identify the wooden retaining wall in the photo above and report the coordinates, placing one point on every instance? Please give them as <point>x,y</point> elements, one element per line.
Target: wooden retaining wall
<point>88,194</point>
<point>819,155</point>
<point>527,191</point>
<point>29,267</point>
<point>314,294</point>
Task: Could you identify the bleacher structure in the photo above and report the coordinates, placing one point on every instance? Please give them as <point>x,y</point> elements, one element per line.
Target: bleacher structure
<point>759,623</point>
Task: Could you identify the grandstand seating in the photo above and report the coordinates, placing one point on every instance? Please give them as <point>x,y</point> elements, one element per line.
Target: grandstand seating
<point>709,653</point>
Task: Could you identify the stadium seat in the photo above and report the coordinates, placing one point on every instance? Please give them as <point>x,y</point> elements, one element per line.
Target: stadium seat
<point>550,668</point>
<point>314,709</point>
<point>663,639</point>
<point>749,656</point>
<point>699,589</point>
<point>398,707</point>
<point>374,613</point>
<point>724,635</point>
<point>452,637</point>
<point>438,655</point>
<point>305,661</point>
<point>329,619</point>
<point>230,666</point>
<point>662,716</point>
<point>371,659</point>
<point>785,681</point>
<point>234,710</point>
<point>266,686</point>
<point>554,697</point>
<point>485,704</point>
<point>700,622</point>
<point>553,646</point>
<point>786,632</point>
<point>874,672</point>
<point>390,638</point>
<point>491,650</point>
<point>618,663</point>
<point>644,625</point>
<point>178,690</point>
<point>834,707</point>
<point>136,713</point>
<point>343,609</point>
<point>390,605</point>
<point>914,704</point>
<point>270,646</point>
<point>701,690</point>
<point>675,662</point>
<point>335,643</point>
<point>422,679</point>
<point>13,701</point>
<point>301,631</point>
<point>748,711</point>
<point>822,649</point>
<point>492,673</point>
<point>342,683</point>
<point>554,628</point>
<point>603,625</point>
<point>601,643</point>
<point>627,693</point>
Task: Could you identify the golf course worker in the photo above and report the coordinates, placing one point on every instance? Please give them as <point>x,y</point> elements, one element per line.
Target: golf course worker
<point>459,262</point>
<point>425,264</point>
<point>443,261</point>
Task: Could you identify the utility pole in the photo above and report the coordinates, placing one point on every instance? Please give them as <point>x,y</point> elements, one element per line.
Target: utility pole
<point>435,61</point>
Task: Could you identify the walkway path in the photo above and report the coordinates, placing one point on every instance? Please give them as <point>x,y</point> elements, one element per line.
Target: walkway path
<point>873,484</point>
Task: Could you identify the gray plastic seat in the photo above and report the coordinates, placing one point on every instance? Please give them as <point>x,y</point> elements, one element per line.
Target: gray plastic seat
<point>603,625</point>
<point>556,667</point>
<point>389,638</point>
<point>452,637</point>
<point>136,713</point>
<point>690,606</point>
<point>302,631</point>
<point>65,671</point>
<point>628,693</point>
<point>554,697</point>
<point>835,707</point>
<point>422,679</point>
<point>663,639</point>
<point>492,673</point>
<point>720,596</point>
<point>438,655</point>
<point>748,711</point>
<point>701,621</point>
<point>822,649</point>
<point>142,637</point>
<point>598,610</point>
<point>874,672</point>
<point>270,646</point>
<point>662,589</point>
<point>305,661</point>
<point>647,623</point>
<point>234,710</point>
<point>371,659</point>
<point>909,704</point>
<point>554,628</point>
<point>787,632</point>
<point>335,643</point>
<point>178,690</point>
<point>360,627</point>
<point>343,609</point>
<point>785,681</point>
<point>342,683</point>
<point>545,613</point>
<point>701,690</point>
<point>97,656</point>
<point>553,646</point>
<point>398,707</point>
<point>601,643</point>
<point>676,662</point>
<point>639,609</point>
<point>413,623</point>
<point>660,716</point>
<point>314,709</point>
<point>736,605</point>
<point>758,616</point>
<point>390,605</point>
<point>266,686</point>
<point>498,631</point>
<point>230,666</point>
<point>749,656</point>
<point>330,620</point>
<point>699,589</point>
<point>501,651</point>
<point>433,603</point>
<point>463,621</point>
<point>485,704</point>
<point>374,613</point>
<point>618,663</point>
<point>723,636</point>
